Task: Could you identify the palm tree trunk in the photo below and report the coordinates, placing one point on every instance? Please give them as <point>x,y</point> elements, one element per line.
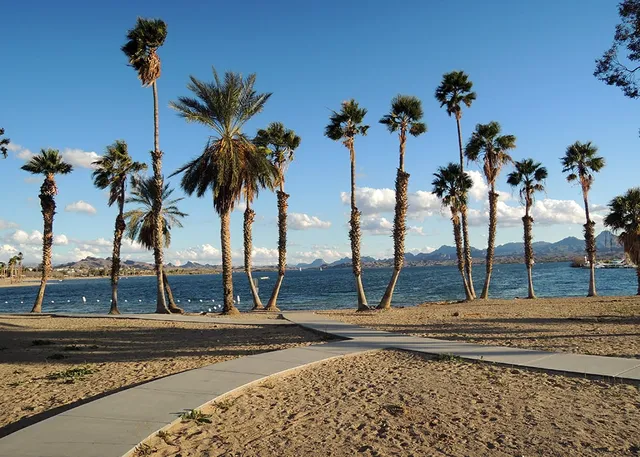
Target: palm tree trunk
<point>399,231</point>
<point>455,219</point>
<point>227,266</point>
<point>468,261</point>
<point>115,258</point>
<point>590,246</point>
<point>354,235</point>
<point>272,305</point>
<point>527,222</point>
<point>465,224</point>
<point>493,220</point>
<point>156,157</point>
<point>173,308</point>
<point>48,205</point>
<point>249,216</point>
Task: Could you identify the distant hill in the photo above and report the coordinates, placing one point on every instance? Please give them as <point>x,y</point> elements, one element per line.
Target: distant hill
<point>315,264</point>
<point>97,263</point>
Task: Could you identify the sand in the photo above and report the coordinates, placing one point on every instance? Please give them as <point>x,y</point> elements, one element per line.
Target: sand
<point>398,403</point>
<point>608,326</point>
<point>119,353</point>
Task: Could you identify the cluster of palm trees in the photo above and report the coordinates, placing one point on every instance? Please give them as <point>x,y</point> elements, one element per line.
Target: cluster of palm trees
<point>235,167</point>
<point>13,268</point>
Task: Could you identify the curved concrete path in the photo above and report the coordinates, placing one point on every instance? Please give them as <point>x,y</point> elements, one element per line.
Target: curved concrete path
<point>114,425</point>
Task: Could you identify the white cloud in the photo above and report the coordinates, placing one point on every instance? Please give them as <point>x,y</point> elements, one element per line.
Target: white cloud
<point>13,147</point>
<point>5,225</point>
<point>60,240</point>
<point>544,212</point>
<point>6,250</point>
<point>79,158</point>
<point>375,201</point>
<point>480,190</point>
<point>19,151</point>
<point>425,250</point>
<point>328,255</point>
<point>375,225</point>
<point>80,207</point>
<point>203,252</point>
<point>23,238</point>
<point>300,221</point>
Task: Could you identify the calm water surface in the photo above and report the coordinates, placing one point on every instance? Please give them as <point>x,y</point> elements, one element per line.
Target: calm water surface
<point>314,289</point>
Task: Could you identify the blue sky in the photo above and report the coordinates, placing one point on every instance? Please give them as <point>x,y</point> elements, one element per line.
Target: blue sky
<point>65,84</point>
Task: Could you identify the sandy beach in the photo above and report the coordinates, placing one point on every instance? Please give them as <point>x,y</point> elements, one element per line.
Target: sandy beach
<point>397,403</point>
<point>600,325</point>
<point>47,364</point>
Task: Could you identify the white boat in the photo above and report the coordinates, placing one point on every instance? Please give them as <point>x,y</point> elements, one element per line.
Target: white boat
<point>300,268</point>
<point>614,264</point>
<point>264,277</point>
<point>320,268</point>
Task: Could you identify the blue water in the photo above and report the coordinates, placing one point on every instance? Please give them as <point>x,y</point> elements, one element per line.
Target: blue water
<point>314,289</point>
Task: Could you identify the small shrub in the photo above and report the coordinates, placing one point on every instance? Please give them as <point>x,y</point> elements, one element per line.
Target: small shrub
<point>71,373</point>
<point>196,416</point>
<point>143,450</point>
<point>42,343</point>
<point>447,358</point>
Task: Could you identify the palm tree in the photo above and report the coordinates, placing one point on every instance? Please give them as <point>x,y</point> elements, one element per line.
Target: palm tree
<point>406,113</point>
<point>624,217</point>
<point>48,163</point>
<point>581,162</point>
<point>452,185</point>
<point>3,269</point>
<point>281,143</point>
<point>258,173</point>
<point>453,92</point>
<point>20,258</point>
<point>113,170</point>
<point>344,126</point>
<point>4,142</point>
<point>486,140</point>
<point>141,48</point>
<point>529,176</point>
<point>224,106</point>
<point>140,221</point>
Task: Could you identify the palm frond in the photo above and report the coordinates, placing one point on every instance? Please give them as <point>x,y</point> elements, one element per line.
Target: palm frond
<point>47,162</point>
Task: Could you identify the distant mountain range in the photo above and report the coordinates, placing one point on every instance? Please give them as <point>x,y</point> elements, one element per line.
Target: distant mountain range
<point>565,249</point>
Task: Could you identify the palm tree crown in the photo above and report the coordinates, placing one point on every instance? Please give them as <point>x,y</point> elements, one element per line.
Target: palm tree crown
<point>49,163</point>
<point>451,185</point>
<point>347,123</point>
<point>624,217</point>
<point>140,220</point>
<point>529,175</point>
<point>113,169</point>
<point>143,41</point>
<point>581,162</point>
<point>454,91</point>
<point>4,142</point>
<point>406,112</point>
<point>225,106</point>
<point>280,143</point>
<point>486,140</point>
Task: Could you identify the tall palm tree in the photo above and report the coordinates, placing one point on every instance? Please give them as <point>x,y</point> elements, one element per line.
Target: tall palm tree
<point>404,117</point>
<point>112,171</point>
<point>20,259</point>
<point>141,221</point>
<point>624,217</point>
<point>258,173</point>
<point>529,176</point>
<point>224,106</point>
<point>344,126</point>
<point>4,142</point>
<point>281,144</point>
<point>581,162</point>
<point>453,92</point>
<point>12,268</point>
<point>48,163</point>
<point>3,269</point>
<point>452,185</point>
<point>141,47</point>
<point>486,145</point>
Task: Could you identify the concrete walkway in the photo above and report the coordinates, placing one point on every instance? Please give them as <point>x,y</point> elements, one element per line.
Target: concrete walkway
<point>115,424</point>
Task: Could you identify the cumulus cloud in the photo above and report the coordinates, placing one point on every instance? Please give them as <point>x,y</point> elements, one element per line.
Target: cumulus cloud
<point>544,212</point>
<point>6,250</point>
<point>328,255</point>
<point>60,240</point>
<point>6,225</point>
<point>375,201</point>
<point>480,190</point>
<point>207,253</point>
<point>19,151</point>
<point>24,238</point>
<point>425,250</point>
<point>376,225</point>
<point>80,207</point>
<point>203,252</point>
<point>300,221</point>
<point>79,158</point>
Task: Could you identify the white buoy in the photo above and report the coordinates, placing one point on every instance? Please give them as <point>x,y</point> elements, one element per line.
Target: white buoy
<point>209,309</point>
<point>110,301</point>
<point>6,302</point>
<point>21,302</point>
<point>68,301</point>
<point>52,301</point>
<point>98,301</point>
<point>140,301</point>
<point>238,299</point>
<point>84,300</point>
<point>178,301</point>
<point>201,300</point>
<point>189,300</point>
<point>125,301</point>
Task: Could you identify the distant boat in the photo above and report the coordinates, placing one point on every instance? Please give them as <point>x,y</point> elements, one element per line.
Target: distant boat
<point>320,268</point>
<point>300,268</point>
<point>264,277</point>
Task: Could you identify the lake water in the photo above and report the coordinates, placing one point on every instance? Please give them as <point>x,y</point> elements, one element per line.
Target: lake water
<point>314,289</point>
